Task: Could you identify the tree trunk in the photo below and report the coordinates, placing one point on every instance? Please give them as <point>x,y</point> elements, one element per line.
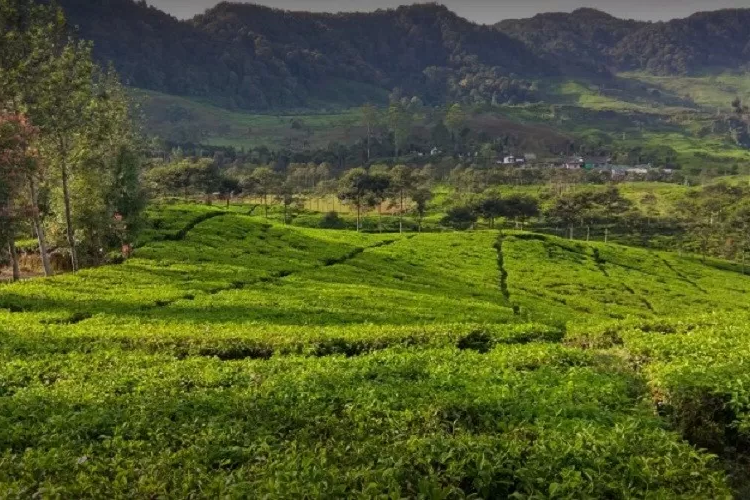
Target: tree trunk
<point>571,232</point>
<point>369,134</point>
<point>39,229</point>
<point>358,210</point>
<point>14,259</point>
<point>380,218</point>
<point>69,218</point>
<point>401,215</point>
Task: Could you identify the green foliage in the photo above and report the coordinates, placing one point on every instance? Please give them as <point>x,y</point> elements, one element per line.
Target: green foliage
<point>233,356</point>
<point>461,217</point>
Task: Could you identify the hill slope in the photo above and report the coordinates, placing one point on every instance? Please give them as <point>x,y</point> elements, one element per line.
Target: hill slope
<point>588,40</point>
<point>248,56</point>
<point>252,57</point>
<point>235,357</point>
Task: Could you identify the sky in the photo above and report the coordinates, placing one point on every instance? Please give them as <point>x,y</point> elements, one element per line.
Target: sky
<point>484,11</point>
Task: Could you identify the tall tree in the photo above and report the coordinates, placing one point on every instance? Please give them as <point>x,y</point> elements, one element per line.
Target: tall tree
<point>14,143</point>
<point>491,207</point>
<point>354,188</point>
<point>370,119</point>
<point>455,120</point>
<point>403,183</point>
<point>378,186</point>
<point>266,182</point>
<point>62,113</point>
<point>421,197</point>
<point>400,122</point>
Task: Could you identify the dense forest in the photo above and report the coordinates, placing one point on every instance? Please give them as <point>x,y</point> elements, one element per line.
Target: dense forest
<point>592,40</point>
<point>251,57</point>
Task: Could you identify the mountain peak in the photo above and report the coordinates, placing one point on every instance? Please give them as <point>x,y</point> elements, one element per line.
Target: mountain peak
<point>591,13</point>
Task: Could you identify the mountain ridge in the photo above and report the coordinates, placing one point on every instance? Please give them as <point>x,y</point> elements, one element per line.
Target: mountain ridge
<point>247,56</point>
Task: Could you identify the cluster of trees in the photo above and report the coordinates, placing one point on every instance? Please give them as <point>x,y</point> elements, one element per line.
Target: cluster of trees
<point>401,185</point>
<point>715,221</point>
<point>492,206</point>
<point>589,207</point>
<point>69,157</point>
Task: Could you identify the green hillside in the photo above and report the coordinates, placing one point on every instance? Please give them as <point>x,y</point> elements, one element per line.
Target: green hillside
<point>236,357</point>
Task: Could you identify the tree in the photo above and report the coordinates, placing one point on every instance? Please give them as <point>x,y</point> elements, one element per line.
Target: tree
<point>440,136</point>
<point>403,183</point>
<point>228,187</point>
<point>185,177</point>
<point>490,208</point>
<point>400,122</point>
<point>421,197</point>
<point>461,217</point>
<point>568,210</point>
<point>265,182</point>
<point>353,189</point>
<point>741,222</point>
<point>370,119</point>
<point>87,146</point>
<point>378,187</point>
<point>455,119</point>
<point>15,161</point>
<point>62,113</point>
<point>520,207</point>
<point>288,197</point>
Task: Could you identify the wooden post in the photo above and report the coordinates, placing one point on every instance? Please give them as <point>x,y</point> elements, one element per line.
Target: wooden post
<point>606,235</point>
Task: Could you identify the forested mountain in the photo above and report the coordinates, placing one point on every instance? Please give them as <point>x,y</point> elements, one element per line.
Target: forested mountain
<point>703,41</point>
<point>252,57</point>
<point>577,42</point>
<point>590,40</point>
<point>257,57</point>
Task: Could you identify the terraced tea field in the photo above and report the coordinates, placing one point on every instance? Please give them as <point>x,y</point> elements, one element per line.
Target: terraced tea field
<point>233,358</point>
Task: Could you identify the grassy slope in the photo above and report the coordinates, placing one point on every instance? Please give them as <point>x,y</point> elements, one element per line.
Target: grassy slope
<point>219,349</point>
<point>710,91</point>
<point>184,120</point>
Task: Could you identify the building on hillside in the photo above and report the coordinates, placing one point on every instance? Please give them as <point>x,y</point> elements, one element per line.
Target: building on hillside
<point>509,160</point>
<point>596,162</point>
<point>573,163</point>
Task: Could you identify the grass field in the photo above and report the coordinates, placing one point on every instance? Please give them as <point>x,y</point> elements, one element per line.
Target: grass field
<point>235,357</point>
<point>710,91</point>
<point>184,120</point>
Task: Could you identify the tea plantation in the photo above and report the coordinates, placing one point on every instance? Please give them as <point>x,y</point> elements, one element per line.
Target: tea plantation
<point>232,357</point>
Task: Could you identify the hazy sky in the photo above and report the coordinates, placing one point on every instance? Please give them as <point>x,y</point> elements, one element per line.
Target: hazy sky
<point>484,11</point>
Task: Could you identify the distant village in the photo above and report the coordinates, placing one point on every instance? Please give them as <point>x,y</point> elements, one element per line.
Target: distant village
<point>587,163</point>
